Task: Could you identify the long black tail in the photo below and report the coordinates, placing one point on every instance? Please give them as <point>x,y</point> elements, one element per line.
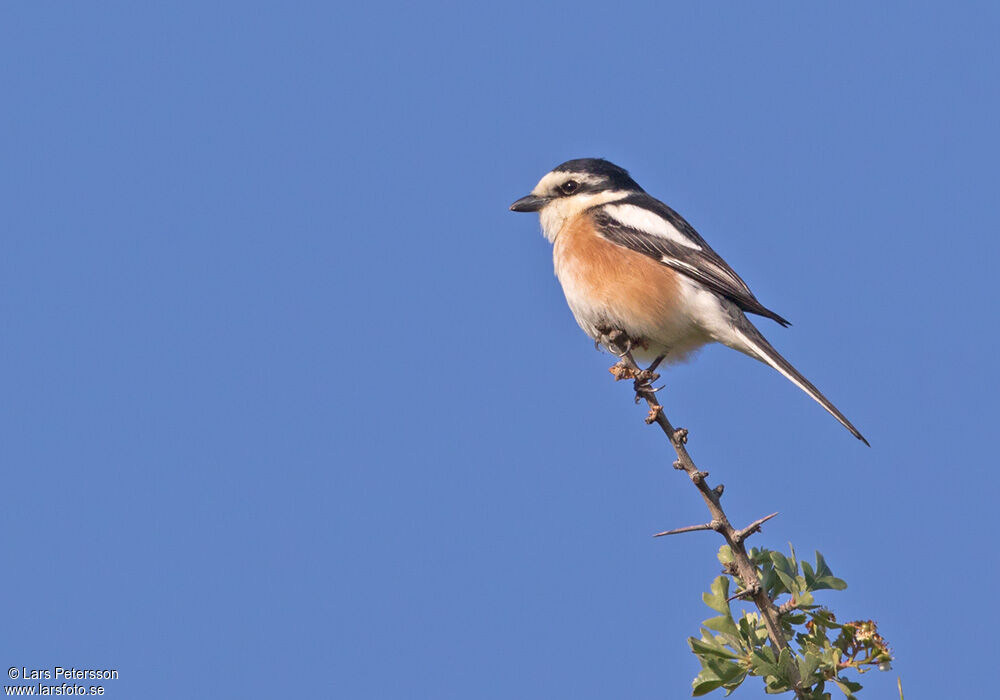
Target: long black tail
<point>762,350</point>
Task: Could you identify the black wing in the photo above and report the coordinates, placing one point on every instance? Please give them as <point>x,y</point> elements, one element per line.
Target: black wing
<point>698,261</point>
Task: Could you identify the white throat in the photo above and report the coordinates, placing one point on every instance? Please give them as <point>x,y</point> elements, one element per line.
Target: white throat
<point>556,213</point>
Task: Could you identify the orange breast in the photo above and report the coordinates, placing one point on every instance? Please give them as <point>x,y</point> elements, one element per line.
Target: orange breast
<point>626,286</point>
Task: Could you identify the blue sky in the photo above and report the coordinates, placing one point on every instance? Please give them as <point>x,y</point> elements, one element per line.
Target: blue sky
<point>293,406</point>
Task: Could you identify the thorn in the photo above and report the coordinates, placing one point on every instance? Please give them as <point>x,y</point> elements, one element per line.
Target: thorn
<point>718,490</point>
<point>753,527</point>
<point>690,528</point>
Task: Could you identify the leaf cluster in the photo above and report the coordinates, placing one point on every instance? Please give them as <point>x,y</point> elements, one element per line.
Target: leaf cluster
<point>821,650</point>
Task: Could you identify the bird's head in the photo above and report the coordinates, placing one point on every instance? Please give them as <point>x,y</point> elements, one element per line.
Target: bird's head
<point>573,187</point>
<point>580,180</point>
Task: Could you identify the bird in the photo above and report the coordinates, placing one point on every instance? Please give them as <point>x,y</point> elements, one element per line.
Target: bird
<point>629,264</point>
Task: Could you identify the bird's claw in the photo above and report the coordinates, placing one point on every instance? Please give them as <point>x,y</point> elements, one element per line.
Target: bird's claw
<point>646,376</point>
<point>617,342</point>
<point>642,379</point>
<point>643,386</point>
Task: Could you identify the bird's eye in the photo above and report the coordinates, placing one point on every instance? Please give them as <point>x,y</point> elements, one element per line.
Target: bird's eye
<point>569,187</point>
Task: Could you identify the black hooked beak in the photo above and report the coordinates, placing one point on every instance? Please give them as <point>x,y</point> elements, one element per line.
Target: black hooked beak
<point>529,203</point>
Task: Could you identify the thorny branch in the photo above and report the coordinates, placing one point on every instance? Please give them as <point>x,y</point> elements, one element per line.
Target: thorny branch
<point>743,567</point>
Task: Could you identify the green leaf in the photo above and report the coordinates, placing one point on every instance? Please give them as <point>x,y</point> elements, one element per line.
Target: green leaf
<point>722,623</point>
<point>837,584</point>
<point>795,618</point>
<point>769,581</point>
<point>708,645</point>
<point>760,557</point>
<point>716,599</point>
<point>824,617</point>
<point>703,687</point>
<point>808,663</point>
<point>782,564</point>
<point>758,628</point>
<point>732,675</point>
<point>725,554</point>
<point>847,687</point>
<point>748,631</point>
<point>726,671</point>
<point>776,686</point>
<point>705,682</point>
<point>831,657</point>
<point>736,682</point>
<point>854,686</point>
<point>787,581</point>
<point>763,663</point>
<point>821,568</point>
<point>786,662</point>
<point>778,570</point>
<point>718,673</point>
<point>810,577</point>
<point>816,693</point>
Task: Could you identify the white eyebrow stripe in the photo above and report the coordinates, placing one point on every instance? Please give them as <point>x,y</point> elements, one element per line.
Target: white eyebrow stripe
<point>644,220</point>
<point>554,179</point>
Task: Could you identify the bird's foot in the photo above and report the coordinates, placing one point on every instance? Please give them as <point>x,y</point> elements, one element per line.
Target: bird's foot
<point>615,340</point>
<point>642,380</point>
<point>644,389</point>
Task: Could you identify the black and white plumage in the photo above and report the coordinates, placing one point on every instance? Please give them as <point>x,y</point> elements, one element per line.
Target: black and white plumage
<point>650,227</point>
<point>628,261</point>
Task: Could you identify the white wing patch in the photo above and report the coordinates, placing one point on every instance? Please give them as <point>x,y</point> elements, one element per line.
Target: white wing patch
<point>644,220</point>
<point>674,262</point>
